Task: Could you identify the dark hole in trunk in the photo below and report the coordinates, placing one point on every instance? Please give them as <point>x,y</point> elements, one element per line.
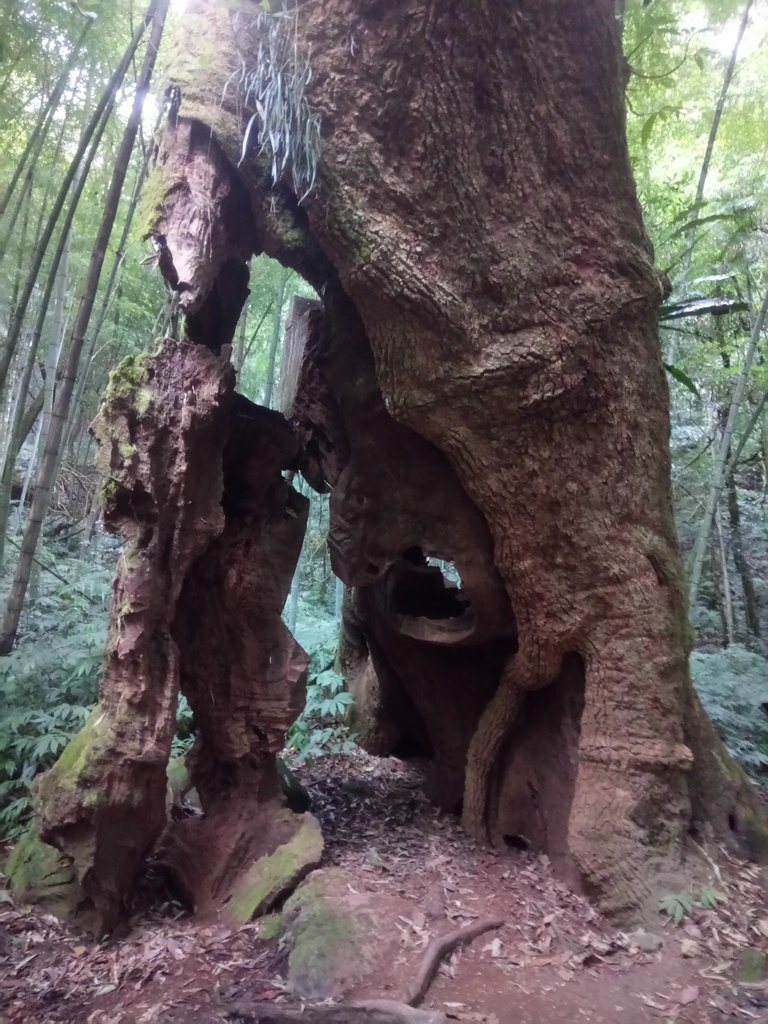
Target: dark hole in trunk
<point>517,842</point>
<point>419,589</point>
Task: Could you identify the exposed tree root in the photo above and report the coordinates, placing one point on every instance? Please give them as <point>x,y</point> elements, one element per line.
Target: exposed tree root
<point>401,1013</point>
<point>375,1011</point>
<point>379,1011</point>
<point>439,948</point>
<point>528,669</point>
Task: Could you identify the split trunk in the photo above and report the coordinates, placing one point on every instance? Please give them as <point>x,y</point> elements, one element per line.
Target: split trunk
<point>480,385</point>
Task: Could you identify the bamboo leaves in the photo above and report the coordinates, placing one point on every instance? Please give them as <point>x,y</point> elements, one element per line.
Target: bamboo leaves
<point>275,88</point>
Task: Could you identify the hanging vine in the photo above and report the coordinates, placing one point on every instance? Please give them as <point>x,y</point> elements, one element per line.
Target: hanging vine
<point>274,87</point>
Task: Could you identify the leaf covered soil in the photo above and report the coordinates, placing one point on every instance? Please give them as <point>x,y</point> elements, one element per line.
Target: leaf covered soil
<point>554,959</point>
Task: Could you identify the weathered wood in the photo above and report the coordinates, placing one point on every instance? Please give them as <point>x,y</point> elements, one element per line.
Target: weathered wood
<point>294,340</point>
<point>484,385</point>
<point>103,802</point>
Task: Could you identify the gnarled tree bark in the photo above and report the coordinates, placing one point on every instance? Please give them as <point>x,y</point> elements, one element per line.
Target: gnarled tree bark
<point>483,385</point>
<point>476,238</point>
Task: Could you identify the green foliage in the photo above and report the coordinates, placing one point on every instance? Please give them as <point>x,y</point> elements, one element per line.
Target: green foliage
<point>316,629</point>
<point>320,728</point>
<point>677,904</point>
<point>185,728</point>
<point>731,684</point>
<point>710,898</point>
<point>682,378</point>
<point>49,683</point>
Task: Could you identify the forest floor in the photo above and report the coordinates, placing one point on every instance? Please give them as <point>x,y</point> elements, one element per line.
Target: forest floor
<point>554,959</point>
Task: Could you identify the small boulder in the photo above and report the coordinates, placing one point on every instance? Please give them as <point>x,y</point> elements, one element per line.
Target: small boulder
<point>39,874</point>
<point>752,966</point>
<point>338,936</point>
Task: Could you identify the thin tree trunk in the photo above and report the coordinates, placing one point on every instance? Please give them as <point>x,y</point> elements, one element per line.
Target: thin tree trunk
<point>259,325</point>
<point>721,460</point>
<point>6,478</point>
<point>45,477</point>
<point>703,174</point>
<point>751,614</point>
<point>57,334</point>
<point>240,346</point>
<point>277,316</point>
<point>28,158</point>
<point>10,69</point>
<point>45,204</point>
<point>22,243</point>
<point>717,590</point>
<point>754,419</point>
<point>8,405</point>
<point>28,420</point>
<point>28,474</point>
<point>8,234</point>
<point>31,412</point>
<point>117,264</point>
<point>105,103</point>
<point>719,108</point>
<point>293,594</point>
<point>91,522</point>
<point>728,619</point>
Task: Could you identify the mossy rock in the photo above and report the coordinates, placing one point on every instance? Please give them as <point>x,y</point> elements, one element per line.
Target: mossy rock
<point>336,935</point>
<point>39,874</point>
<point>330,882</point>
<point>752,966</point>
<point>272,927</point>
<point>326,950</point>
<point>272,877</point>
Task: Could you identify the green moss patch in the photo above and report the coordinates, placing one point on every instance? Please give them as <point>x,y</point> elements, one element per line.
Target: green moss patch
<point>752,966</point>
<point>39,874</point>
<point>152,200</point>
<point>127,383</point>
<point>272,877</point>
<point>74,764</point>
<point>272,927</point>
<point>326,942</point>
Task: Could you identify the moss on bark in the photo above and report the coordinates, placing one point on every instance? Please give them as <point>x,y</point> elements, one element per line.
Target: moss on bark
<point>272,877</point>
<point>39,874</point>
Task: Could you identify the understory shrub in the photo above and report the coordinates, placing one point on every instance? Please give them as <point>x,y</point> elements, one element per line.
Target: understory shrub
<point>733,686</point>
<point>50,682</point>
<point>321,728</point>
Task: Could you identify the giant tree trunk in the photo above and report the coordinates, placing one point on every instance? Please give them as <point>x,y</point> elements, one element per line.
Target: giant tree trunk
<point>481,385</point>
<point>475,229</point>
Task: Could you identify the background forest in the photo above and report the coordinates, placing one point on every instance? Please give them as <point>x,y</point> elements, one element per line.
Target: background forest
<point>69,76</point>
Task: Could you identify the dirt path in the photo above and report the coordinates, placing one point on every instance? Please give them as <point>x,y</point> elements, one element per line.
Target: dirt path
<point>554,960</point>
